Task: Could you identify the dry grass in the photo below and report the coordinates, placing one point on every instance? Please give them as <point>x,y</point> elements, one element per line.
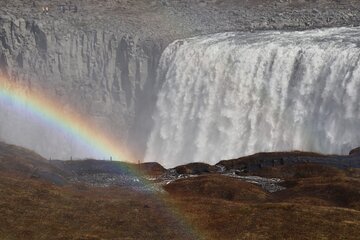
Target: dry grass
<point>31,209</point>
<point>299,171</point>
<point>319,203</point>
<point>217,187</point>
<point>219,219</point>
<point>332,191</point>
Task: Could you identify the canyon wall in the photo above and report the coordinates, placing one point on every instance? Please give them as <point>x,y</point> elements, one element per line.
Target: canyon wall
<point>100,60</point>
<point>105,75</point>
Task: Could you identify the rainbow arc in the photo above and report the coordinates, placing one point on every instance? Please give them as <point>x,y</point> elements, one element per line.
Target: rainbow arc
<point>52,114</point>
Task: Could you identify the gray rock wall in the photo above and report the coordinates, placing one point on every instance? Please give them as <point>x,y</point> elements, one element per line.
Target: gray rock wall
<point>107,76</point>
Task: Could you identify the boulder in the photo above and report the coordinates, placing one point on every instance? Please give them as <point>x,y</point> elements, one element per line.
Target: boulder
<point>355,151</point>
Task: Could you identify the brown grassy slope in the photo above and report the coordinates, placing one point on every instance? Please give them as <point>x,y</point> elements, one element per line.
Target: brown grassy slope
<point>299,171</point>
<point>316,185</point>
<point>262,156</point>
<point>219,219</point>
<point>18,160</point>
<point>31,209</point>
<point>338,193</point>
<point>320,202</point>
<point>216,187</point>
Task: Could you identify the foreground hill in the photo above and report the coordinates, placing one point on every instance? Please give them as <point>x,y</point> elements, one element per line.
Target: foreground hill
<point>32,209</point>
<point>318,202</point>
<point>23,162</point>
<point>201,202</point>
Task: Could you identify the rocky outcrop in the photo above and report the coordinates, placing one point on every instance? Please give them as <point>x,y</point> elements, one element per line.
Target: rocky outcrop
<point>22,162</point>
<point>196,168</point>
<point>272,159</point>
<point>152,169</point>
<point>355,151</point>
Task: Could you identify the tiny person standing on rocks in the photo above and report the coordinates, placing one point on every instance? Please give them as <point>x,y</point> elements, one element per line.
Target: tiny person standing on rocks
<point>45,10</point>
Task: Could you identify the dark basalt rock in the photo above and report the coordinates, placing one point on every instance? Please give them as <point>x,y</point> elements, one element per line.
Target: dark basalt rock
<point>272,159</point>
<point>195,168</point>
<point>152,169</point>
<point>355,151</point>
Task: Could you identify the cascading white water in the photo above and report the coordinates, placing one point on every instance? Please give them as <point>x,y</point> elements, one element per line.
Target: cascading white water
<point>231,94</point>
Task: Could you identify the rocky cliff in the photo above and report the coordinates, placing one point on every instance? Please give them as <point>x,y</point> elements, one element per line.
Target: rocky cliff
<point>100,57</point>
<point>106,75</point>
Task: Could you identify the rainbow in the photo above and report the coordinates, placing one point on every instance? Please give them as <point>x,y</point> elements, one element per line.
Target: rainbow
<point>52,114</point>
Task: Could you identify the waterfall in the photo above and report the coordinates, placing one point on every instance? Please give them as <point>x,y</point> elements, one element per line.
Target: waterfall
<point>231,94</point>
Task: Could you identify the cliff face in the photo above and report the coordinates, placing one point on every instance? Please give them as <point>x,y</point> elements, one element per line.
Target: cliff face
<point>100,73</point>
<point>101,58</point>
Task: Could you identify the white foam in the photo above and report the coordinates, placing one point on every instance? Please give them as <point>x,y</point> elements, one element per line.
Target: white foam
<point>232,94</point>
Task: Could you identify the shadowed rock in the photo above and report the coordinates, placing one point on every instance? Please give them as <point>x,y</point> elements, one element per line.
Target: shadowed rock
<point>195,168</point>
<point>355,151</point>
<point>152,169</point>
<point>271,159</point>
<point>21,161</point>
